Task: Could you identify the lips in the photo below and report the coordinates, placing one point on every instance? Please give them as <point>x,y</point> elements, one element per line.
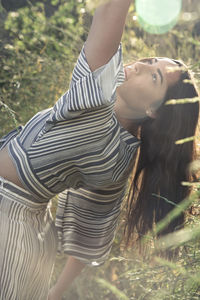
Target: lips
<point>125,72</point>
<point>128,70</point>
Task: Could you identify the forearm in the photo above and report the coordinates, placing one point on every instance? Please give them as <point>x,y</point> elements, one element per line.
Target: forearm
<point>71,270</point>
<point>106,32</point>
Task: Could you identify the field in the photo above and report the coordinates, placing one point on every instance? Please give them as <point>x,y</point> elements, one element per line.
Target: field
<point>39,44</point>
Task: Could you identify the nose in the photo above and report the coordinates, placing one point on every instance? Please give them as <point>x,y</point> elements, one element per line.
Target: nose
<point>140,67</point>
<point>137,68</point>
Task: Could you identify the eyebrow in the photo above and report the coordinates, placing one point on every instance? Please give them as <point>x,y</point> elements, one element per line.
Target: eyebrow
<point>161,75</point>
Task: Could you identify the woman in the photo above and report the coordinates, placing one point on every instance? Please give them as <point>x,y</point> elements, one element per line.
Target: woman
<point>82,145</point>
<point>162,166</point>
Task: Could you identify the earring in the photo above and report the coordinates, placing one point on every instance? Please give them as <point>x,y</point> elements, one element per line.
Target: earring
<point>150,113</point>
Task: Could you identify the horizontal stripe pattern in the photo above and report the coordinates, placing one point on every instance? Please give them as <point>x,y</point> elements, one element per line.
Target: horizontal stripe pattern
<point>79,142</point>
<point>86,222</point>
<point>79,147</point>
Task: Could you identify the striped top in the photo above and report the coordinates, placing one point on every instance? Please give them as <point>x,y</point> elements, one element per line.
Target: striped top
<point>86,221</point>
<point>78,142</point>
<point>78,149</point>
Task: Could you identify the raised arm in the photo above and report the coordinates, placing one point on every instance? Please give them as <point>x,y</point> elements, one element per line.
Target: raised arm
<point>102,43</point>
<point>106,32</point>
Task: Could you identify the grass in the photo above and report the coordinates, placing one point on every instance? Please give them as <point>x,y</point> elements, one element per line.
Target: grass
<point>129,275</point>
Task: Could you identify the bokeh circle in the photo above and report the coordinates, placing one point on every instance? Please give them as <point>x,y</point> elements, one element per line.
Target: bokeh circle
<point>158,16</point>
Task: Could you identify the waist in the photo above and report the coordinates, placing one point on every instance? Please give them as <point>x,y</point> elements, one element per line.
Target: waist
<point>15,193</point>
<point>19,206</point>
<point>7,168</point>
<point>26,172</point>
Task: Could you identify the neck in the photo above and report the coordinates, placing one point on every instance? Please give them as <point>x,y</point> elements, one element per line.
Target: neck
<point>127,124</point>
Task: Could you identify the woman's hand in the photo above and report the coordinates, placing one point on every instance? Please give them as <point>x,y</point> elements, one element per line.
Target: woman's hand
<point>71,270</point>
<point>53,294</point>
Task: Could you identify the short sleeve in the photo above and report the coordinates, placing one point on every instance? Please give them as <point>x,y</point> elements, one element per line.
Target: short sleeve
<point>89,90</point>
<point>12,134</point>
<point>86,222</point>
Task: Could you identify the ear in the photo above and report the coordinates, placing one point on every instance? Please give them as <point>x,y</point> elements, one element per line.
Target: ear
<point>151,113</point>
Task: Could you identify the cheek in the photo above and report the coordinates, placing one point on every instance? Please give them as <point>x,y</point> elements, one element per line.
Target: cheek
<point>131,88</point>
<point>140,92</point>
<point>133,96</point>
<point>131,91</point>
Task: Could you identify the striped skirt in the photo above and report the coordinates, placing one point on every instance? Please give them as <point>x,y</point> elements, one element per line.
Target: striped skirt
<point>28,245</point>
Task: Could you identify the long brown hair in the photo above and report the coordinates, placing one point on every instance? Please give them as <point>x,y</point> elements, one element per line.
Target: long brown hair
<point>162,165</point>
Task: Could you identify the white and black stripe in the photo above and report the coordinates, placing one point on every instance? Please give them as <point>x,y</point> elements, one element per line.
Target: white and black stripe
<point>79,146</point>
<point>28,245</point>
<point>78,142</point>
<point>86,221</point>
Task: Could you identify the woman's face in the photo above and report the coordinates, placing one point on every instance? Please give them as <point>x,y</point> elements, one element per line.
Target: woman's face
<point>145,86</point>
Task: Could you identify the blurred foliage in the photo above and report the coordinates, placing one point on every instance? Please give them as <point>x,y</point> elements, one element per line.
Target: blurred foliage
<point>37,57</point>
<point>39,44</point>
<point>130,275</point>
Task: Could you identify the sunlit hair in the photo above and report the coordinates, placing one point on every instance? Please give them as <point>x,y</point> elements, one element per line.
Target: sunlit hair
<point>162,164</point>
